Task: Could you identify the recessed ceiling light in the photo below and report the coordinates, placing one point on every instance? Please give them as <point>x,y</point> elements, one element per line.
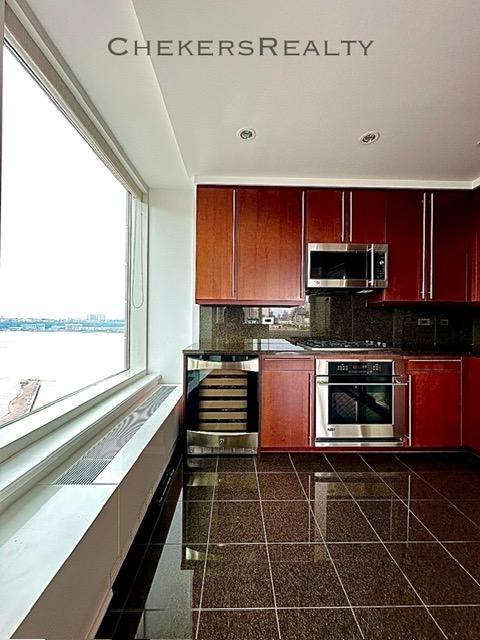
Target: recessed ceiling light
<point>246,134</point>
<point>369,137</point>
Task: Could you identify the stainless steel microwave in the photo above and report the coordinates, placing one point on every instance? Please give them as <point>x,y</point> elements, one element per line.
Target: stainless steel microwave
<point>347,266</point>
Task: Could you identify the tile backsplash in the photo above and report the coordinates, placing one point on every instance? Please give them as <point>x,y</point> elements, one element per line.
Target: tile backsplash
<point>345,317</point>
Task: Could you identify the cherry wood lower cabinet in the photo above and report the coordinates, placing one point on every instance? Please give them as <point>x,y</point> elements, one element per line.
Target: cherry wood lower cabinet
<point>436,402</point>
<point>471,403</point>
<point>286,402</point>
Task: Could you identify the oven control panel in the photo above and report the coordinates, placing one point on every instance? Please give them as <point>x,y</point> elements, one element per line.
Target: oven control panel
<point>364,367</point>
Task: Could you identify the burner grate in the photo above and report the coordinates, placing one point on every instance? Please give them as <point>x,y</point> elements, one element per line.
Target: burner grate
<point>338,345</point>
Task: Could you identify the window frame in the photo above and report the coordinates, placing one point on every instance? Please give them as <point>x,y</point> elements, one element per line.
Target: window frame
<point>18,433</point>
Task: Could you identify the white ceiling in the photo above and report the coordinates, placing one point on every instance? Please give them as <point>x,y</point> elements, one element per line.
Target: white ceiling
<point>124,90</point>
<point>177,116</point>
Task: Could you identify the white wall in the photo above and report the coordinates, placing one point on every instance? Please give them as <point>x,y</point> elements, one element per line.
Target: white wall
<point>170,284</point>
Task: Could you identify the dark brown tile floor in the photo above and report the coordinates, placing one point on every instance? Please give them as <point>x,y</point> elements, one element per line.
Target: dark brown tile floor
<point>307,546</point>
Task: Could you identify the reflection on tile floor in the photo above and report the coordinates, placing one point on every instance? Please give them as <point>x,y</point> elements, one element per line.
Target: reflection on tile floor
<point>341,546</point>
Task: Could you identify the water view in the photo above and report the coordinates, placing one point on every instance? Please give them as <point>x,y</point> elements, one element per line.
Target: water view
<point>45,366</point>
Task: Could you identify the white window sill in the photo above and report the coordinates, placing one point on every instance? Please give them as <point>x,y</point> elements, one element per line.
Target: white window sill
<point>55,441</point>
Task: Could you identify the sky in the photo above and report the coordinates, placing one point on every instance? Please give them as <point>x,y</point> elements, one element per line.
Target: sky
<point>63,214</point>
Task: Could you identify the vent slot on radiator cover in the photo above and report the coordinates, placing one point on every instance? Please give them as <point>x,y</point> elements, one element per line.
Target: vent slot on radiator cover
<point>95,460</point>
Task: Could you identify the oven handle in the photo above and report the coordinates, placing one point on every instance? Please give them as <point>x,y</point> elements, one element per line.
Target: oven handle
<point>360,384</point>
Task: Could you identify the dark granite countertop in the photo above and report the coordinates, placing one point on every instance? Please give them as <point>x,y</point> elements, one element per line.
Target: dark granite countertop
<point>279,346</point>
<point>247,347</point>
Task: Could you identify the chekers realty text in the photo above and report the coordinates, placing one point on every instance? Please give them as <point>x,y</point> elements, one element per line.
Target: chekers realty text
<point>119,46</point>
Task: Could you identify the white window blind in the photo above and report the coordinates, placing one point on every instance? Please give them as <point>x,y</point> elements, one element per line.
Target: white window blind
<point>76,106</point>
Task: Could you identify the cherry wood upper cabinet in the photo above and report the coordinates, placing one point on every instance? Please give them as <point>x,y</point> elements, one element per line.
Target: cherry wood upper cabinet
<point>215,245</point>
<point>269,243</point>
<point>449,217</point>
<point>366,216</point>
<point>475,249</point>
<point>436,404</point>
<point>286,402</point>
<point>404,236</point>
<point>428,237</point>
<point>356,215</point>
<point>325,216</point>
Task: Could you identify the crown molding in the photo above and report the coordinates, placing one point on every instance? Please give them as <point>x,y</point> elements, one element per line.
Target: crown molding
<point>334,182</point>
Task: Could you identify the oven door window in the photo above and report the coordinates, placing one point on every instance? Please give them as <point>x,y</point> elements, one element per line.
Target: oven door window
<point>360,404</point>
<point>339,265</point>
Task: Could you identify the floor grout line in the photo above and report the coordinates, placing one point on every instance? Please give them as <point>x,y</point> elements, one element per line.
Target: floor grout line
<point>351,542</point>
<point>442,543</point>
<point>188,472</point>
<point>306,608</point>
<point>206,559</point>
<point>444,498</point>
<point>359,502</point>
<point>393,498</point>
<point>435,539</point>
<point>389,553</point>
<point>328,550</point>
<point>268,554</point>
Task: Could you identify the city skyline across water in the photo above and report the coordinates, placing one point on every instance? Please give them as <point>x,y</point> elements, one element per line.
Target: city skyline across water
<point>91,323</point>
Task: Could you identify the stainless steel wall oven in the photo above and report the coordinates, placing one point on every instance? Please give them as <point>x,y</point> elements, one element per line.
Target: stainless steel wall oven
<point>361,402</point>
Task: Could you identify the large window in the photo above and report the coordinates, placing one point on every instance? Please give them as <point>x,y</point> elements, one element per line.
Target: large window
<point>63,261</point>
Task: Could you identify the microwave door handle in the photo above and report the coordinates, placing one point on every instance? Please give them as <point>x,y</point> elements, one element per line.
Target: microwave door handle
<point>372,266</point>
<point>431,245</point>
<point>350,230</point>
<point>303,268</point>
<point>424,246</point>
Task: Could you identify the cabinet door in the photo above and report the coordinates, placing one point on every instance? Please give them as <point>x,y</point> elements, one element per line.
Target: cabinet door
<point>436,403</point>
<point>366,217</point>
<point>325,216</point>
<point>286,408</point>
<point>269,246</point>
<point>215,244</point>
<point>449,222</point>
<point>404,236</point>
<point>475,248</point>
<point>471,406</point>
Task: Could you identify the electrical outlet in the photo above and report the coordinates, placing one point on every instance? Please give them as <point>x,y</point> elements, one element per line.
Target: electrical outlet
<point>443,322</point>
<point>424,322</point>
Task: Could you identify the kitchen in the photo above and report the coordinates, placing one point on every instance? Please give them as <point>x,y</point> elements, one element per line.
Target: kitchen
<point>383,256</point>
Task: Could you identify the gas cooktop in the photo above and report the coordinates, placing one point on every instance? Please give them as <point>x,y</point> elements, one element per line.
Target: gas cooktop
<point>338,345</point>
